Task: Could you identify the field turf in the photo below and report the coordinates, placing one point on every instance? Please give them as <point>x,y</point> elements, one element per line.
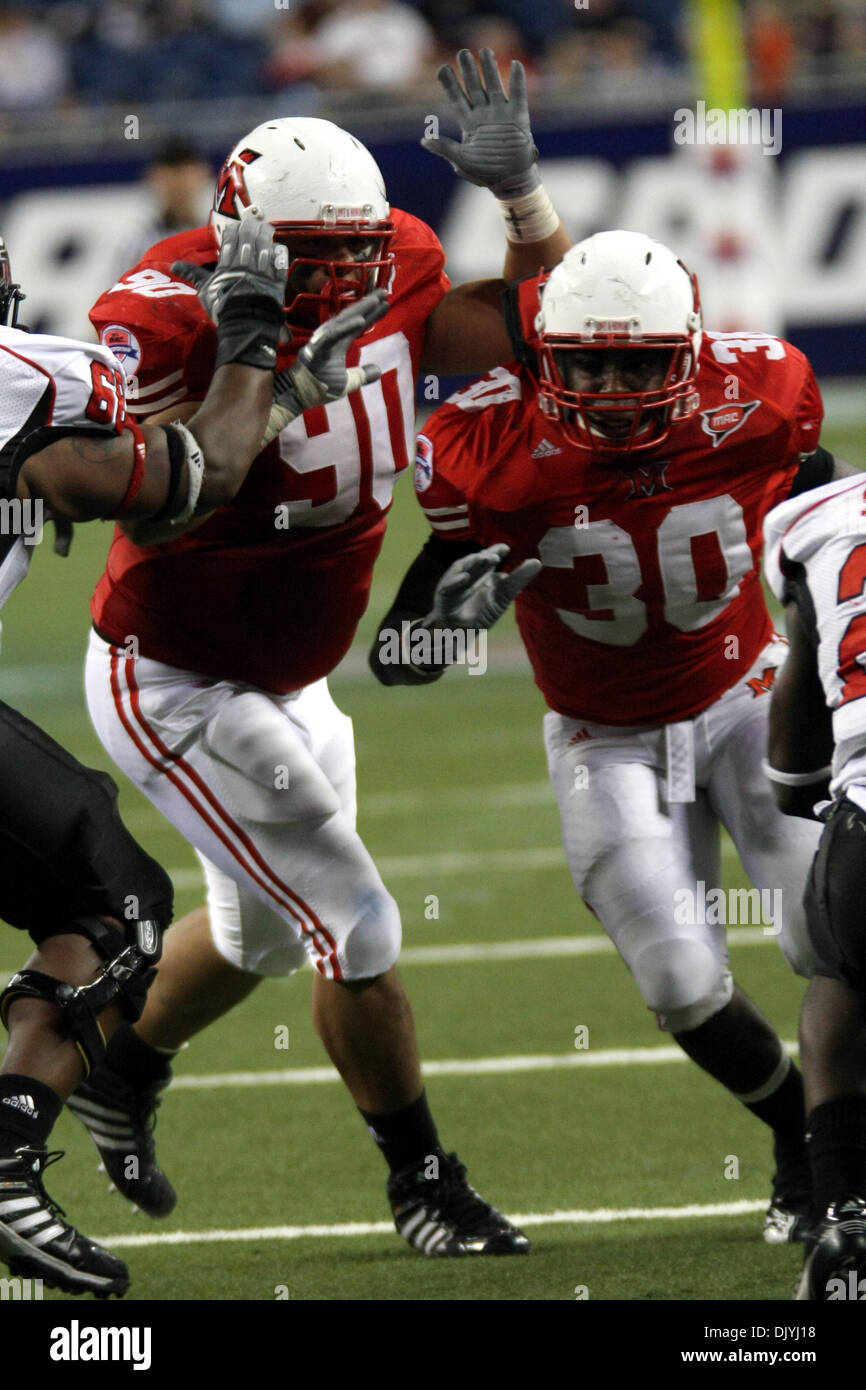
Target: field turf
<point>638,1177</point>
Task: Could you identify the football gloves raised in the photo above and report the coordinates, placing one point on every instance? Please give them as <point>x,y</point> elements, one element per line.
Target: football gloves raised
<point>496,149</point>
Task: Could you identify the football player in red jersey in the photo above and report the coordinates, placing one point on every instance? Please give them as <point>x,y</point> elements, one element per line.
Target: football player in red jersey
<point>206,673</point>
<point>631,457</point>
<point>71,875</point>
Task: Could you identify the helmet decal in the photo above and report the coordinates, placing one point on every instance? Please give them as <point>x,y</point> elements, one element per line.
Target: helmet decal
<point>231,190</point>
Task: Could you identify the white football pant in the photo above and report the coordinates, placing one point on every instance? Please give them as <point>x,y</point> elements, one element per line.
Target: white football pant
<point>263,786</point>
<point>641,808</point>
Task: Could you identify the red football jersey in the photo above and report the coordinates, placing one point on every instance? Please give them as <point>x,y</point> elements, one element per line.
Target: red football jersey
<point>649,605</point>
<point>271,588</point>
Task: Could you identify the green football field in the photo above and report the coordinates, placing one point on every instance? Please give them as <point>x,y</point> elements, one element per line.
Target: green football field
<point>636,1177</point>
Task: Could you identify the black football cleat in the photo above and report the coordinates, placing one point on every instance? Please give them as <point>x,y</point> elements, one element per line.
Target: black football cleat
<point>835,1264</point>
<point>37,1243</point>
<point>788,1218</point>
<point>120,1120</point>
<point>442,1215</point>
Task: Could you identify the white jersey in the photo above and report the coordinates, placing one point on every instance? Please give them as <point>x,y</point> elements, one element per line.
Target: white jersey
<point>48,386</point>
<point>816,554</point>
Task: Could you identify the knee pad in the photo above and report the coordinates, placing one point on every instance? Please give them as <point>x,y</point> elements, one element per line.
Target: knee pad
<point>125,977</point>
<point>372,944</point>
<point>683,982</point>
<point>260,767</point>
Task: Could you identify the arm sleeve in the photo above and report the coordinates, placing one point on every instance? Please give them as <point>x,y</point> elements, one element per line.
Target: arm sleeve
<point>815,470</point>
<point>520,303</point>
<point>796,590</point>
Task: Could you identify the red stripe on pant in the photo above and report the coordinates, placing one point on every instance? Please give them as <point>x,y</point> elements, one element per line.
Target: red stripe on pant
<point>328,963</point>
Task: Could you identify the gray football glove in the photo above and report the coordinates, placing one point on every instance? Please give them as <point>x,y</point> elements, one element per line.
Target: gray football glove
<point>473,593</point>
<point>250,263</point>
<point>245,294</point>
<point>320,374</point>
<point>496,148</point>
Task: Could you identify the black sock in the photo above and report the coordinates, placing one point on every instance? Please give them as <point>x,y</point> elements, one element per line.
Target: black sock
<point>28,1112</point>
<point>785,1112</point>
<point>836,1143</point>
<point>135,1060</point>
<point>405,1136</point>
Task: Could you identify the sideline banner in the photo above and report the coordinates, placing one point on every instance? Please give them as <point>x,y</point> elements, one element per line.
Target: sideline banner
<point>775,225</point>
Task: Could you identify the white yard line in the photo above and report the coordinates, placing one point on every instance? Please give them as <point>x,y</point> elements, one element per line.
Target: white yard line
<point>577,1217</point>
<point>546,948</point>
<point>456,1066</point>
<point>512,796</point>
<point>394,866</point>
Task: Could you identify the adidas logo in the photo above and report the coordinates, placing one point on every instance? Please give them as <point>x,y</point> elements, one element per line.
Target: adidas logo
<point>544,450</point>
<point>24,1103</point>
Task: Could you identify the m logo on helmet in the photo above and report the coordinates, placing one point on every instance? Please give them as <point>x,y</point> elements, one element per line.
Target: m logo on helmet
<point>722,420</point>
<point>231,190</point>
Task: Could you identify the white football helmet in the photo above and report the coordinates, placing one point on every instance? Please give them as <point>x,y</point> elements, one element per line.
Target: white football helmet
<point>619,291</point>
<point>314,182</point>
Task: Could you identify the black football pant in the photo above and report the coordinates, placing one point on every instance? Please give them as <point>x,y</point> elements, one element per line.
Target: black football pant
<point>64,851</point>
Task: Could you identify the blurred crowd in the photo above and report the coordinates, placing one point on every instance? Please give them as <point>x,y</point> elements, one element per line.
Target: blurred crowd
<point>56,53</point>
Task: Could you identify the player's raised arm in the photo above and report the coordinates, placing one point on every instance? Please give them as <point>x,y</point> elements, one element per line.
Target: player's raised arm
<point>496,151</point>
<point>466,331</point>
<point>169,476</point>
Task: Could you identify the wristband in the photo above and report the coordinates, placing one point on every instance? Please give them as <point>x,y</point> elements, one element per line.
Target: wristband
<point>279,417</point>
<point>529,218</point>
<point>176,455</point>
<point>796,779</point>
<point>136,478</point>
<point>195,473</point>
